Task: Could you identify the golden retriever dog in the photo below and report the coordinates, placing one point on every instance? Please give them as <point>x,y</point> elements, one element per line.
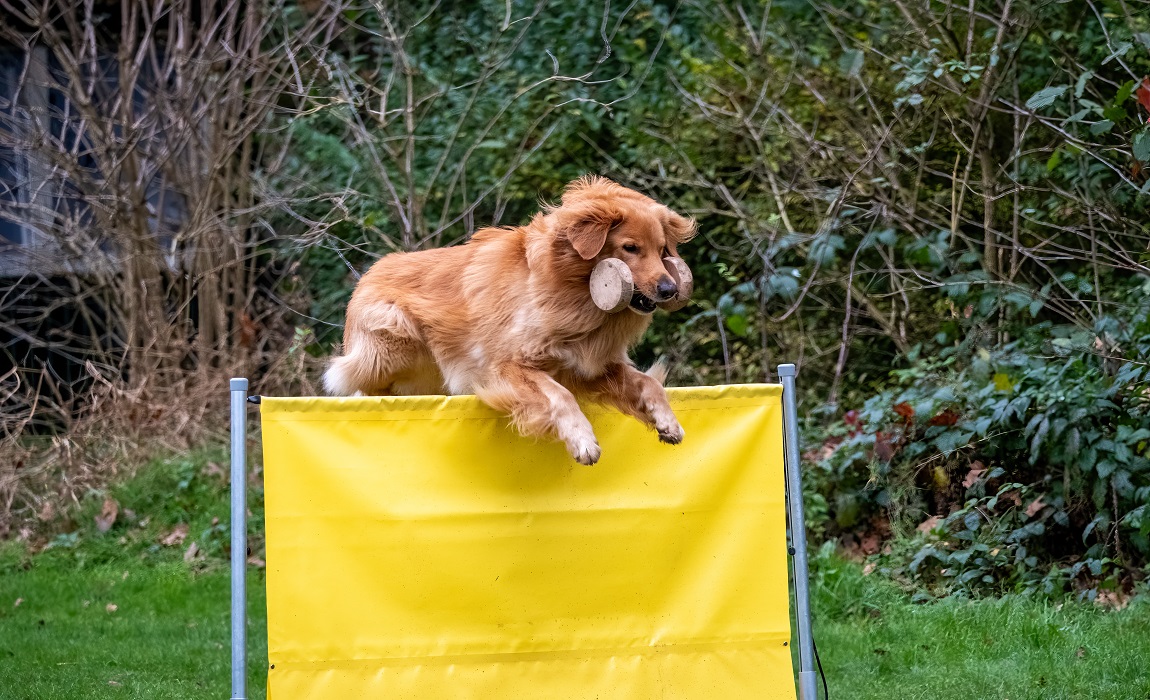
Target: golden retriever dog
<point>508,316</point>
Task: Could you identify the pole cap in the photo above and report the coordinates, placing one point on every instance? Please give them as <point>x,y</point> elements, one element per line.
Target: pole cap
<point>239,384</point>
<point>787,370</point>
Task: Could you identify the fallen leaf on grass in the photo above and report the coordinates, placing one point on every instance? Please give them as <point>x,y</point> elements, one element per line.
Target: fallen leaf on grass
<point>1115,600</point>
<point>17,603</point>
<point>176,536</point>
<point>116,684</point>
<point>111,607</point>
<point>192,552</point>
<point>1081,653</point>
<point>107,517</point>
<point>869,568</point>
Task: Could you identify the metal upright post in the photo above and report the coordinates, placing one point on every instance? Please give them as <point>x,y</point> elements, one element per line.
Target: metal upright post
<point>239,388</point>
<point>807,687</point>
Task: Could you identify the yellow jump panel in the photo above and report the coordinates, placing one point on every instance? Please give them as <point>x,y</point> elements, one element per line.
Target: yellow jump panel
<point>417,548</point>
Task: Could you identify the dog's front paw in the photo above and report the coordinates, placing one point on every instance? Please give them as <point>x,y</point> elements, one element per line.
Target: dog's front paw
<point>585,451</point>
<point>671,434</point>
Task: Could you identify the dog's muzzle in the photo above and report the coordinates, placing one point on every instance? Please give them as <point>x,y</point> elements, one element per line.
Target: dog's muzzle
<point>642,303</point>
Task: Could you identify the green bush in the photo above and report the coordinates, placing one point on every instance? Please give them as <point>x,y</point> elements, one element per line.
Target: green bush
<point>1026,467</point>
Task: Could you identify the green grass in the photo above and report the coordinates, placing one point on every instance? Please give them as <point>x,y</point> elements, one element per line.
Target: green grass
<point>169,634</point>
<point>168,637</point>
<point>876,643</point>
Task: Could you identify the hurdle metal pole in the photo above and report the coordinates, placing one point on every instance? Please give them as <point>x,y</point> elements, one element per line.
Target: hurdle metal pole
<point>807,687</point>
<point>239,389</point>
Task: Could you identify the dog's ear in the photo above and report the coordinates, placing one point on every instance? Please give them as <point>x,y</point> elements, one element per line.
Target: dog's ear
<point>586,225</point>
<point>678,229</point>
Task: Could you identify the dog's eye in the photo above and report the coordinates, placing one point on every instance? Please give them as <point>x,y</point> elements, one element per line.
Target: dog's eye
<point>630,247</point>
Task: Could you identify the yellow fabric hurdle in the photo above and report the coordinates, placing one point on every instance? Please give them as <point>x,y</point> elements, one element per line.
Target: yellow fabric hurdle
<point>418,548</point>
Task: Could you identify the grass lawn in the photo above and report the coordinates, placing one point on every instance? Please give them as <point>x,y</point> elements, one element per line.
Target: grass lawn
<point>875,643</point>
<point>168,636</point>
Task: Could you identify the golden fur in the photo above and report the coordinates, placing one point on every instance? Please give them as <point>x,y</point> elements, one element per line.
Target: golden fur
<point>508,316</point>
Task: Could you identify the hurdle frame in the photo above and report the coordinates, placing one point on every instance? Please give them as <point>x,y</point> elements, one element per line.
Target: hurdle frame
<point>797,536</point>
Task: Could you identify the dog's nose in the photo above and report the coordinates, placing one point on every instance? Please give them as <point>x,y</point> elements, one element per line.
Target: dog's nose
<point>666,288</point>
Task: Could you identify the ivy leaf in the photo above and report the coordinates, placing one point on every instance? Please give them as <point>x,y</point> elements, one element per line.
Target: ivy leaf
<point>1046,97</point>
<point>1101,127</point>
<point>737,324</point>
<point>1141,145</point>
<point>825,249</point>
<point>781,284</point>
<point>851,62</point>
<point>1098,520</point>
<point>1114,113</point>
<point>1124,92</point>
<point>1039,436</point>
<point>1120,51</point>
<point>951,440</point>
<point>1080,85</point>
<point>1128,373</point>
<point>971,521</point>
<point>1073,442</point>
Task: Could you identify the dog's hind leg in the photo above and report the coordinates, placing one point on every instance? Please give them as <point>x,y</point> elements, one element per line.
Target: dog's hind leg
<point>382,349</point>
<point>539,406</point>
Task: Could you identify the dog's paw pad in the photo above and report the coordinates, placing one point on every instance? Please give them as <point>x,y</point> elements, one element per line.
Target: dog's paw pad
<point>671,436</point>
<point>586,453</point>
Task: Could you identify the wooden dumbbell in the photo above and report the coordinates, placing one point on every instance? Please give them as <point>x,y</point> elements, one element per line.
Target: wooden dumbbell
<point>679,272</point>
<point>612,285</point>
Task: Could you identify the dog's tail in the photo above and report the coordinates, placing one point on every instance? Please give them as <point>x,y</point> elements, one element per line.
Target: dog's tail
<point>659,371</point>
<point>345,376</point>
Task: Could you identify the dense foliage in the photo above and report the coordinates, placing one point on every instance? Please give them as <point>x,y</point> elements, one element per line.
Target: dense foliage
<point>939,211</point>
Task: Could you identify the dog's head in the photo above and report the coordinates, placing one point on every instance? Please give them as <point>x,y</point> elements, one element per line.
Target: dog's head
<point>601,219</point>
